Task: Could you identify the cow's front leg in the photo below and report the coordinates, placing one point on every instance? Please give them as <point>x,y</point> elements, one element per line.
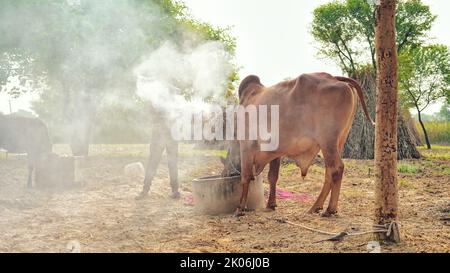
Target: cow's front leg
<point>245,180</point>
<point>273,178</point>
<point>246,177</point>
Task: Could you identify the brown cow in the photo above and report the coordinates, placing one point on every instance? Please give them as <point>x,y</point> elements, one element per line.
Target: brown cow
<point>316,112</point>
<point>25,135</point>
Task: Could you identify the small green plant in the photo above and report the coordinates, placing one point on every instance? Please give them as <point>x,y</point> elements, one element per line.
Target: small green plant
<point>438,152</point>
<point>445,170</point>
<point>291,167</point>
<point>403,183</point>
<point>407,168</point>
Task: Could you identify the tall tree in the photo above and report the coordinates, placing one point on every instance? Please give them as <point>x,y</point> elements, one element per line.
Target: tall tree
<point>424,78</point>
<point>345,32</point>
<point>82,53</point>
<point>444,113</point>
<point>386,190</point>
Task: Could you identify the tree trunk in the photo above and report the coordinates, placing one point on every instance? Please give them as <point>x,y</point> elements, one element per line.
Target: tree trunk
<point>386,190</point>
<point>427,140</point>
<point>81,123</point>
<point>80,137</point>
<point>361,140</point>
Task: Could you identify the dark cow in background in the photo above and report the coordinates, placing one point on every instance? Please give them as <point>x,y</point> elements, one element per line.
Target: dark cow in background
<point>25,135</point>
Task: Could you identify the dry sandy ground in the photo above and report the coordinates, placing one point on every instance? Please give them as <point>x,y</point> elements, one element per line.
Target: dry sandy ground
<point>103,216</point>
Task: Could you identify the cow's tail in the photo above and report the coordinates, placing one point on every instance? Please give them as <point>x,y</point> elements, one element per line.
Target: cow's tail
<point>358,89</point>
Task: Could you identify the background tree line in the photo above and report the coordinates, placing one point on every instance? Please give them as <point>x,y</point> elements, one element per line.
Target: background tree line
<point>79,57</point>
<point>344,31</point>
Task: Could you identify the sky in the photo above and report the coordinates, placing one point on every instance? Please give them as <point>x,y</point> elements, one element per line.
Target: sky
<point>273,39</point>
<point>273,36</point>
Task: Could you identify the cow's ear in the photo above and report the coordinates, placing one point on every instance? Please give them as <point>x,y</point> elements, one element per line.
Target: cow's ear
<point>246,82</point>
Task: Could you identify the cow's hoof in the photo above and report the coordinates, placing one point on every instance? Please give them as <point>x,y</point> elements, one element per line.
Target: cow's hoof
<point>175,195</point>
<point>329,213</point>
<point>270,207</point>
<point>141,196</point>
<point>314,210</point>
<point>239,212</point>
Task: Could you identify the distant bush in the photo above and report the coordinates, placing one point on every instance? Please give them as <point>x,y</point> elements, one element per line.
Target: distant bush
<point>438,131</point>
<point>407,168</point>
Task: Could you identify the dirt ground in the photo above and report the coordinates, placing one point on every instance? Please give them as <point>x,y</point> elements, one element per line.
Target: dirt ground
<point>103,216</point>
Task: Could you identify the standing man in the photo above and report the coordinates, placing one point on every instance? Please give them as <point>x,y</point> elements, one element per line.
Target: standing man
<point>163,79</point>
<point>161,139</point>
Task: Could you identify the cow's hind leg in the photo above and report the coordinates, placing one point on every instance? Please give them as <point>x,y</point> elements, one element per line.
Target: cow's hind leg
<point>333,177</point>
<point>273,178</point>
<point>334,170</point>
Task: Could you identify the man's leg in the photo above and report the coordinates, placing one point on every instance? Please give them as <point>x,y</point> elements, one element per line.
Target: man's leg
<point>172,160</point>
<point>156,151</point>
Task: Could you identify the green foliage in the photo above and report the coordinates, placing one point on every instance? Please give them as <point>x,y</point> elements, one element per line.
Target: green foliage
<point>407,168</point>
<point>332,29</point>
<point>52,41</point>
<point>424,78</point>
<point>445,170</point>
<point>444,113</point>
<point>79,56</point>
<point>424,75</point>
<point>436,153</point>
<point>345,30</point>
<point>291,167</point>
<point>438,131</point>
<point>425,117</point>
<point>414,20</point>
<point>404,183</point>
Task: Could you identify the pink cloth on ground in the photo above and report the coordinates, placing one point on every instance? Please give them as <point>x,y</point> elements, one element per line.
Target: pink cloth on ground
<point>189,200</point>
<point>301,197</point>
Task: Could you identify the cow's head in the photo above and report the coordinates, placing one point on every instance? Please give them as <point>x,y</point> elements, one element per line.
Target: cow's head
<point>246,83</point>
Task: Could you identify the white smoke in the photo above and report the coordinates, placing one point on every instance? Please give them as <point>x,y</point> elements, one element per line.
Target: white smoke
<point>180,80</point>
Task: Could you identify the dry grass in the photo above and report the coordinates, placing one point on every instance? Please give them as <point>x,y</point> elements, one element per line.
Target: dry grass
<point>104,217</point>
